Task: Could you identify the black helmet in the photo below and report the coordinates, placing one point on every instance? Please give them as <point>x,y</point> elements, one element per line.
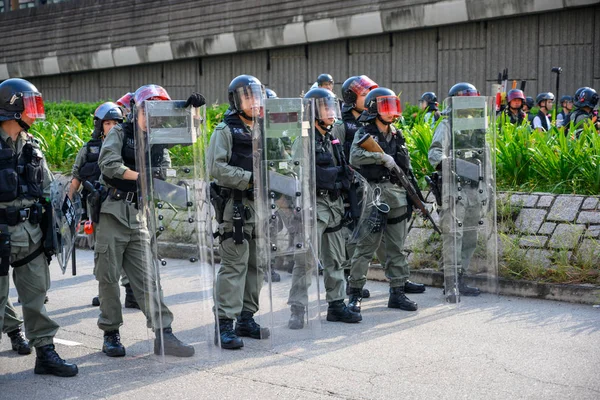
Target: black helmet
<point>529,102</point>
<point>324,78</point>
<point>270,93</point>
<point>429,98</point>
<point>566,98</point>
<point>324,99</point>
<point>463,89</point>
<point>356,86</point>
<point>245,85</point>
<point>375,107</point>
<point>18,97</point>
<point>586,97</point>
<point>544,96</point>
<point>106,112</point>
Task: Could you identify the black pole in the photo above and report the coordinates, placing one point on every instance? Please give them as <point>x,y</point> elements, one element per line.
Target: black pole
<point>73,262</point>
<point>557,71</point>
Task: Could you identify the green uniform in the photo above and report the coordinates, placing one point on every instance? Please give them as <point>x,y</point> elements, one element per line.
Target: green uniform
<point>121,241</point>
<point>240,278</point>
<point>32,280</point>
<point>339,132</point>
<point>460,245</point>
<point>79,161</point>
<point>395,265</point>
<point>330,213</point>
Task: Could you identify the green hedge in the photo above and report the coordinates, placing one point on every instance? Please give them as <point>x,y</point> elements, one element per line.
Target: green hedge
<point>525,160</point>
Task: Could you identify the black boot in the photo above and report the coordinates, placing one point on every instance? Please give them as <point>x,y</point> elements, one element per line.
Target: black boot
<point>96,301</point>
<point>354,299</point>
<point>412,287</point>
<point>338,312</point>
<point>112,346</point>
<point>466,290</point>
<point>399,300</point>
<point>18,342</point>
<point>229,340</point>
<point>172,346</point>
<point>297,318</point>
<point>48,362</point>
<point>130,301</point>
<point>246,326</point>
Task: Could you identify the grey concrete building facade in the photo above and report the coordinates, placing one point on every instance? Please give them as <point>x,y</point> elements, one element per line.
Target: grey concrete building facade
<point>84,50</point>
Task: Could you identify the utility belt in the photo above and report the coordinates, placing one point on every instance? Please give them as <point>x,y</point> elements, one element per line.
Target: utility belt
<point>13,216</point>
<point>383,178</point>
<point>129,197</point>
<point>333,194</point>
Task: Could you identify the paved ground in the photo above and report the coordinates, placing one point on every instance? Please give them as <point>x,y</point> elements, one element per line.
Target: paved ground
<point>492,348</point>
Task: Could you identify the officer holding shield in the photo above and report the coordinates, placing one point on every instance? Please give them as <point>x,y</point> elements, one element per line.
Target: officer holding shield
<point>120,238</point>
<point>24,185</point>
<point>230,161</point>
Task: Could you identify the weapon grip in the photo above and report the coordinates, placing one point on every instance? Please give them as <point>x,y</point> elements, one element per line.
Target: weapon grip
<point>369,144</point>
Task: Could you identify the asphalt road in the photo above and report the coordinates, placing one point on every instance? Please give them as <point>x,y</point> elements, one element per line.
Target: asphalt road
<point>489,348</point>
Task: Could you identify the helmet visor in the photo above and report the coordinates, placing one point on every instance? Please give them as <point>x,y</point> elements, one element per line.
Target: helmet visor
<point>150,92</point>
<point>125,102</point>
<point>363,85</point>
<point>467,92</point>
<point>327,108</point>
<point>389,106</point>
<point>250,97</point>
<point>33,105</point>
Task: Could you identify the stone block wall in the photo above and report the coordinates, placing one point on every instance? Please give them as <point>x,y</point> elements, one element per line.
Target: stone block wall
<point>535,229</point>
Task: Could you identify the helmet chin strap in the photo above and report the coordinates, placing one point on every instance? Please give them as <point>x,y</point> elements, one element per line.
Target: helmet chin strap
<point>325,127</point>
<point>382,121</point>
<point>23,125</point>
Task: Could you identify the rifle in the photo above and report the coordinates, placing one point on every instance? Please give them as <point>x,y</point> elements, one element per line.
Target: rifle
<point>414,195</point>
<point>432,181</point>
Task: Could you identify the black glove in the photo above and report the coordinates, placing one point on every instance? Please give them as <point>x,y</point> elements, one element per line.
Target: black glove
<point>195,100</point>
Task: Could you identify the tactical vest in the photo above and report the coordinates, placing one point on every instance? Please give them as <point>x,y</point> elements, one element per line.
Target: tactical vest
<point>129,159</point>
<point>351,126</point>
<point>396,148</point>
<point>543,120</point>
<point>90,171</point>
<point>327,174</point>
<point>21,176</point>
<point>241,150</point>
<point>518,119</point>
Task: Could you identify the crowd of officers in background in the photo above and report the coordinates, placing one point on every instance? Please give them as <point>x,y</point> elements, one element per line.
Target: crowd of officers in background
<point>109,159</point>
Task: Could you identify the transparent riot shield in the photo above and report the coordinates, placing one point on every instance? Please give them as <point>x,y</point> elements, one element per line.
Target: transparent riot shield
<point>468,212</point>
<point>175,211</point>
<point>66,217</point>
<point>285,202</point>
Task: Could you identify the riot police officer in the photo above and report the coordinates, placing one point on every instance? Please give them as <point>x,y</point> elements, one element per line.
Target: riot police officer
<point>230,161</point>
<point>86,168</point>
<point>527,106</point>
<point>429,103</point>
<point>121,240</point>
<point>24,184</point>
<point>382,108</point>
<point>324,81</point>
<point>468,205</point>
<point>544,100</point>
<point>514,107</point>
<point>333,176</point>
<point>354,91</point>
<point>566,103</point>
<point>585,100</point>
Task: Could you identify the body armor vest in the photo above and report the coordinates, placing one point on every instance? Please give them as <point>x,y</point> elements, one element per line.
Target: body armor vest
<point>543,120</point>
<point>327,174</point>
<point>396,148</point>
<point>351,126</point>
<point>21,176</point>
<point>129,159</point>
<point>241,150</point>
<point>90,171</point>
